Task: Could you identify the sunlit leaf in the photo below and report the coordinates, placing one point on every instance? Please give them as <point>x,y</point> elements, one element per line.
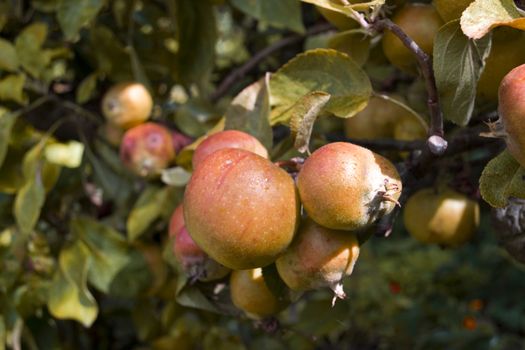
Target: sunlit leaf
<point>75,14</point>
<point>278,13</point>
<point>65,154</point>
<point>483,15</point>
<point>321,70</point>
<point>250,112</point>
<point>502,178</point>
<point>69,297</point>
<point>457,82</point>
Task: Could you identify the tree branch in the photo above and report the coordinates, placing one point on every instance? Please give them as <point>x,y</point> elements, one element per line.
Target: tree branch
<point>435,142</point>
<point>252,63</point>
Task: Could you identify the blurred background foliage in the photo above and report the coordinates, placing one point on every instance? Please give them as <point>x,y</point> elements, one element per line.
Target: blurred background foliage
<point>84,256</point>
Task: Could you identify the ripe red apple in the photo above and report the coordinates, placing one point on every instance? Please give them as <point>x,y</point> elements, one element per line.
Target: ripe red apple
<point>240,208</point>
<point>147,149</point>
<point>347,187</point>
<point>227,139</point>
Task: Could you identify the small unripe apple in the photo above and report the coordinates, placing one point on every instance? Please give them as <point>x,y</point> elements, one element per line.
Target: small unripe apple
<point>421,22</point>
<point>347,187</point>
<point>127,105</point>
<point>250,293</point>
<point>512,112</point>
<point>192,259</point>
<point>444,217</point>
<point>383,118</point>
<point>318,257</point>
<point>450,10</point>
<point>506,53</point>
<point>147,149</point>
<point>227,139</point>
<point>240,208</point>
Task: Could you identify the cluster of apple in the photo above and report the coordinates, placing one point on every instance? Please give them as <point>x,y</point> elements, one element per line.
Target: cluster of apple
<point>146,148</point>
<point>241,212</point>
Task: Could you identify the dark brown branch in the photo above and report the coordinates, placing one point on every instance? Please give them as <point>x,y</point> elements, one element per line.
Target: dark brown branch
<point>252,63</point>
<point>436,143</point>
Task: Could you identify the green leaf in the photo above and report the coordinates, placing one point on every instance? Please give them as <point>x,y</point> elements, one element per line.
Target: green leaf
<point>134,278</point>
<point>250,112</point>
<point>483,15</point>
<point>278,13</point>
<point>352,42</point>
<point>323,70</point>
<point>147,209</point>
<point>12,88</point>
<point>107,248</point>
<point>7,120</point>
<point>28,204</point>
<point>176,176</point>
<point>3,333</point>
<point>75,14</point>
<point>457,82</point>
<point>8,56</point>
<point>502,178</point>
<point>110,57</point>
<point>31,197</point>
<point>303,116</point>
<point>196,35</point>
<point>87,88</point>
<point>28,45</point>
<point>65,154</point>
<point>69,297</point>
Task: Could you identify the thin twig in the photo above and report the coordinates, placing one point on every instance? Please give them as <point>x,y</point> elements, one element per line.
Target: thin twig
<point>425,62</point>
<point>252,63</point>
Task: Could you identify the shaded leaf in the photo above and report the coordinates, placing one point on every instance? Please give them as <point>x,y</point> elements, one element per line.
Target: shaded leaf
<point>30,198</point>
<point>86,89</point>
<point>190,296</point>
<point>134,278</point>
<point>352,42</point>
<point>28,45</point>
<point>278,13</point>
<point>196,35</point>
<point>322,70</point>
<point>69,297</point>
<point>457,82</point>
<point>250,112</point>
<point>502,178</point>
<point>146,210</point>
<point>75,14</point>
<point>107,248</point>
<point>8,56</point>
<point>303,116</point>
<point>12,88</point>
<point>483,15</point>
<point>177,176</point>
<point>7,120</point>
